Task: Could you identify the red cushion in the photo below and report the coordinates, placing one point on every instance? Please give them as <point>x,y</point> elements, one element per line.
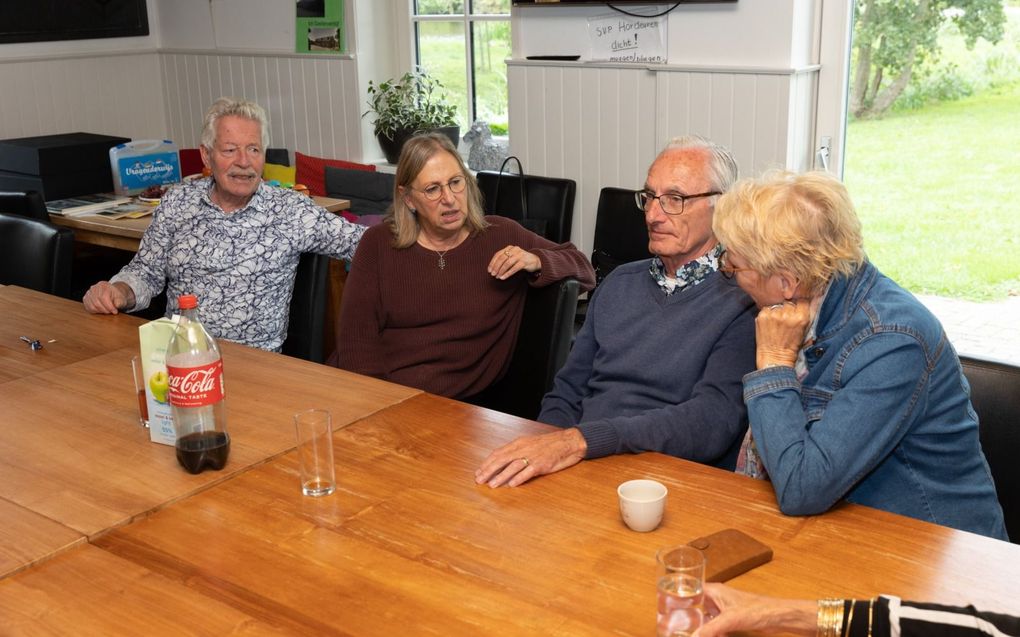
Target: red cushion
<point>191,161</point>
<point>311,171</point>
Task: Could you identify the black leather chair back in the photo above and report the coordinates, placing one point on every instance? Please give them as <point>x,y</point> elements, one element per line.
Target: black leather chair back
<point>305,331</point>
<point>27,204</point>
<point>550,202</point>
<point>543,343</point>
<point>35,254</point>
<point>995,395</point>
<point>620,232</point>
<point>278,156</point>
<point>370,193</point>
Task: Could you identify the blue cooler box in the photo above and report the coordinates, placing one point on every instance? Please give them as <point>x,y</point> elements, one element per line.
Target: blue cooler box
<point>143,163</point>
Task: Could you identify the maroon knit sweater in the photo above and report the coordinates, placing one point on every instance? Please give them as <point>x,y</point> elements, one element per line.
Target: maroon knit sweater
<point>450,332</point>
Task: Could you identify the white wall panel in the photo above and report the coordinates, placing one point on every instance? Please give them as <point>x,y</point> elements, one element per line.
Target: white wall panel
<point>603,125</point>
<point>116,94</point>
<point>593,125</point>
<point>311,102</point>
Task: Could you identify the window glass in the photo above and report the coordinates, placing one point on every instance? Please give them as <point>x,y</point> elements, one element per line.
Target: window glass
<point>439,7</point>
<point>467,54</point>
<point>441,52</point>
<point>482,7</point>
<point>491,49</point>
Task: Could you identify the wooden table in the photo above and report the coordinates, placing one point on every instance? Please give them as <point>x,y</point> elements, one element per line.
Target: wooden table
<point>125,234</point>
<point>71,451</point>
<point>77,335</point>
<point>103,534</point>
<point>409,542</point>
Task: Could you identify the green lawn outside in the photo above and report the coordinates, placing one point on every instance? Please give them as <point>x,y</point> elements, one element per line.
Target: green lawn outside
<point>442,47</point>
<point>938,193</point>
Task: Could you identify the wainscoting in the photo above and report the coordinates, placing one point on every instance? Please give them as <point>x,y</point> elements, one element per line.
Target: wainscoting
<point>112,94</point>
<point>602,125</point>
<point>312,101</point>
<point>599,124</point>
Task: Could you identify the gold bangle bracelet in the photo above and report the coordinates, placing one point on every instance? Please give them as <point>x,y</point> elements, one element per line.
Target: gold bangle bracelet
<point>830,617</point>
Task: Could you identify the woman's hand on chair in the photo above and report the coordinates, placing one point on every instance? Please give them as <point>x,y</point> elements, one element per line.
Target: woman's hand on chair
<point>511,260</point>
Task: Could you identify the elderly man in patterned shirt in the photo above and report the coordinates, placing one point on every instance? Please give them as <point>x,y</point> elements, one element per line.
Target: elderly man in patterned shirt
<point>230,239</point>
<point>658,364</point>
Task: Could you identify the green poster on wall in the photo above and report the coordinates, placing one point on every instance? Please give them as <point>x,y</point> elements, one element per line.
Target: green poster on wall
<point>319,26</point>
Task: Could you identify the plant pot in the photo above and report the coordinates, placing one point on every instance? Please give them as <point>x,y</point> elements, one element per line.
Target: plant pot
<point>391,147</point>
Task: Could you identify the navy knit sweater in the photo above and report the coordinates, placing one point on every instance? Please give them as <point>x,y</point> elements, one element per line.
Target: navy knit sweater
<point>650,372</point>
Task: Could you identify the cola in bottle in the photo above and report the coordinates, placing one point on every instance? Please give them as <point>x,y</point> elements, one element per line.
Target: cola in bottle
<point>195,368</point>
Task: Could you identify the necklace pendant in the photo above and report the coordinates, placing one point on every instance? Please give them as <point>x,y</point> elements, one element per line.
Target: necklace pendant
<point>442,262</point>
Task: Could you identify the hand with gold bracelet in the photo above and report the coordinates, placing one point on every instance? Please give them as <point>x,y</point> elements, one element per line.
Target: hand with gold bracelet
<point>730,610</point>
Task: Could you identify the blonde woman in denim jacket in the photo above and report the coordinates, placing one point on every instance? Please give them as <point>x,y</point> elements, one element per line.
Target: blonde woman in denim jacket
<point>858,395</point>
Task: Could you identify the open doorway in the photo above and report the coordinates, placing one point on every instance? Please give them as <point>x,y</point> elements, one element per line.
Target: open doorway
<point>932,159</point>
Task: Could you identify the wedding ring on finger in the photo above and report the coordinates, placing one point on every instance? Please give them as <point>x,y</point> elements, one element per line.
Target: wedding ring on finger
<point>776,306</point>
<point>507,252</point>
<point>526,462</point>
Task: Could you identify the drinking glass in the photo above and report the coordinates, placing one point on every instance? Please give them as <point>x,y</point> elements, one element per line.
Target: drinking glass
<point>680,590</point>
<point>315,451</point>
<point>143,406</point>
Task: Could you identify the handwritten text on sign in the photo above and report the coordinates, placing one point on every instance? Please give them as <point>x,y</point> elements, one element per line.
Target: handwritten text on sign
<point>621,38</point>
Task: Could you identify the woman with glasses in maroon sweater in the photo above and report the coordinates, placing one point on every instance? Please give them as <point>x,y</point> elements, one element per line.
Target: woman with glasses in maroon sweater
<point>436,292</point>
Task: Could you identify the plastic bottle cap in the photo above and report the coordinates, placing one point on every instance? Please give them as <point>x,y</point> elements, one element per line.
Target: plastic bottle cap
<point>187,301</point>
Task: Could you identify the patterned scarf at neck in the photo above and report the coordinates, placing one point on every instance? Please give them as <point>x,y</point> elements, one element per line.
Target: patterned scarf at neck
<point>687,275</point>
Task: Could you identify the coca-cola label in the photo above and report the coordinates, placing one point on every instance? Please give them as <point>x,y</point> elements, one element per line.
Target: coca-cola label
<point>196,386</point>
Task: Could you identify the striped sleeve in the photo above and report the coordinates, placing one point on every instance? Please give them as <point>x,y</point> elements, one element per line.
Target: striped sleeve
<point>897,618</point>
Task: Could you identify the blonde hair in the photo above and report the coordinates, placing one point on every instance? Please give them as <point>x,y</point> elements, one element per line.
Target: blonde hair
<point>232,106</point>
<point>803,223</point>
<point>418,150</point>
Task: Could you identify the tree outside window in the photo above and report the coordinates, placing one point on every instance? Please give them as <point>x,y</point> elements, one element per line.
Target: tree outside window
<point>464,43</point>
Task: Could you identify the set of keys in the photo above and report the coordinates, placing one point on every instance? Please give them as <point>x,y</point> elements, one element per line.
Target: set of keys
<point>33,343</point>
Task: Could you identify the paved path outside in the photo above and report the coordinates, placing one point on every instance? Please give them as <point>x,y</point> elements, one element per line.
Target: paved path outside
<point>988,330</point>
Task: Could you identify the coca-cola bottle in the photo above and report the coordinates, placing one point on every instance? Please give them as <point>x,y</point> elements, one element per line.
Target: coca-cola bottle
<point>195,368</point>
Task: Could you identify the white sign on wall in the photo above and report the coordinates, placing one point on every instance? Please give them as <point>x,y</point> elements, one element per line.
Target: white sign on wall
<point>623,38</point>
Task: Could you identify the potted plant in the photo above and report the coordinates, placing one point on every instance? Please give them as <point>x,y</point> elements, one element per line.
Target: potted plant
<point>412,104</point>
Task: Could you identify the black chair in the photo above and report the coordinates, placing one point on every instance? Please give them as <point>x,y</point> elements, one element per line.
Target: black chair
<point>90,263</point>
<point>278,156</point>
<point>27,204</point>
<point>620,236</point>
<point>550,202</point>
<point>995,395</point>
<point>35,254</point>
<point>370,193</point>
<point>543,343</point>
<point>305,331</point>
<point>620,232</point>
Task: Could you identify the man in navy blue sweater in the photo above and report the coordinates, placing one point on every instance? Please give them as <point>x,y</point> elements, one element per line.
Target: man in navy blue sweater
<point>658,364</point>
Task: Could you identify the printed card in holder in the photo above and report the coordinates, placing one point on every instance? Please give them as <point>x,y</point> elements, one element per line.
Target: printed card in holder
<point>729,553</point>
<point>154,336</point>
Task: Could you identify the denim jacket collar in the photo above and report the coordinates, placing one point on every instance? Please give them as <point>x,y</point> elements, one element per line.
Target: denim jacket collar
<point>845,296</point>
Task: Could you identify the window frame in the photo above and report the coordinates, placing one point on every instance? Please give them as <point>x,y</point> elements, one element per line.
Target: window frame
<point>466,18</point>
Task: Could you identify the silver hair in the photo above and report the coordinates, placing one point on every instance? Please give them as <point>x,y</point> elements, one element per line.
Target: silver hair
<point>722,169</point>
<point>232,106</point>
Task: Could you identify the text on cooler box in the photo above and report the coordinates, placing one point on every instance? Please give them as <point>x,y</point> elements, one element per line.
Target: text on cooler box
<point>196,386</point>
